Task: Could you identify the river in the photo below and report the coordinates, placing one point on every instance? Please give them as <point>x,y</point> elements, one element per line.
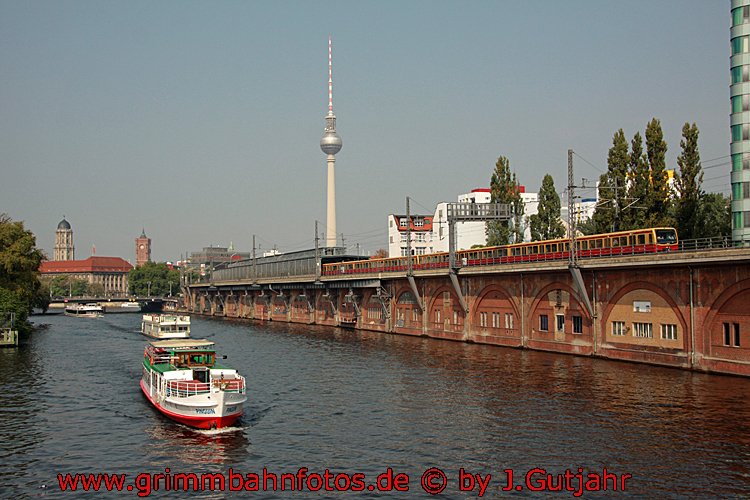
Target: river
<point>360,403</point>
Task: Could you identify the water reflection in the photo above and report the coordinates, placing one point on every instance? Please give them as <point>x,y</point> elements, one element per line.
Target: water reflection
<point>168,441</point>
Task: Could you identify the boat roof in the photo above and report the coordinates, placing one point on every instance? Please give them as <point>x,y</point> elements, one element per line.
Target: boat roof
<point>181,343</point>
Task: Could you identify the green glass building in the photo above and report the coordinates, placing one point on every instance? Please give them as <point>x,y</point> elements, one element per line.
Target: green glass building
<point>739,92</point>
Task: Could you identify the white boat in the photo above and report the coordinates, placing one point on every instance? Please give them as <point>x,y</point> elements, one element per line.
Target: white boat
<point>84,310</point>
<point>130,306</point>
<point>166,326</point>
<point>183,381</point>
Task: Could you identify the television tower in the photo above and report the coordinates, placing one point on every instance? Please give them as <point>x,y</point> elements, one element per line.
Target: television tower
<point>330,143</point>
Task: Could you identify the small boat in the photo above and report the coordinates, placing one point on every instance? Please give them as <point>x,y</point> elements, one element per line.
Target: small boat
<point>130,306</point>
<point>183,381</point>
<point>84,310</point>
<point>166,326</point>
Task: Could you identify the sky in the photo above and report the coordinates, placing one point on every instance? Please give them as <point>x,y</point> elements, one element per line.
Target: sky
<point>200,121</point>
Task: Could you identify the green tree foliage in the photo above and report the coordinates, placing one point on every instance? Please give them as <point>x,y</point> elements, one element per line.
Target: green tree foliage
<point>546,223</point>
<point>639,185</point>
<point>67,286</point>
<point>688,181</point>
<point>504,189</point>
<point>714,217</point>
<point>19,269</point>
<point>160,277</point>
<point>612,186</point>
<point>658,198</point>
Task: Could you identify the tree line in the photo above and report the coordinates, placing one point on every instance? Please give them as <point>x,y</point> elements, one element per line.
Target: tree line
<point>633,193</point>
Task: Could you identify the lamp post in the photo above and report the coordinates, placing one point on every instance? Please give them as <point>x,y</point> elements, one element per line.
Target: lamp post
<point>170,288</point>
<point>149,288</point>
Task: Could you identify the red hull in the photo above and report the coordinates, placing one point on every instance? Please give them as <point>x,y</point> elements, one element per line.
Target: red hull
<point>197,422</point>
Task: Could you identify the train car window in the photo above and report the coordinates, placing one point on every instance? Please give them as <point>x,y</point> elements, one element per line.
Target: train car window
<point>641,239</point>
<point>584,245</point>
<point>553,247</point>
<point>623,241</point>
<point>614,242</point>
<point>666,236</point>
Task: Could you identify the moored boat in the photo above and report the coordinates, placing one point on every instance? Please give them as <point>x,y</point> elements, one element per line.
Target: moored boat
<point>166,326</point>
<point>84,310</point>
<point>183,381</point>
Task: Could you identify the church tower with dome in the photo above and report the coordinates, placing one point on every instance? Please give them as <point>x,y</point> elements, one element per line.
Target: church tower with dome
<point>64,249</point>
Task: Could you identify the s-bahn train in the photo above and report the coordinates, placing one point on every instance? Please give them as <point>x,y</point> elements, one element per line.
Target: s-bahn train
<point>635,242</point>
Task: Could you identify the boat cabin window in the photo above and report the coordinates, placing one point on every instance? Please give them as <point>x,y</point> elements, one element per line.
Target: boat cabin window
<point>195,359</point>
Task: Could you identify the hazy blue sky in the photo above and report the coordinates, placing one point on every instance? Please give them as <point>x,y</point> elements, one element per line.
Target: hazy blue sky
<point>201,121</point>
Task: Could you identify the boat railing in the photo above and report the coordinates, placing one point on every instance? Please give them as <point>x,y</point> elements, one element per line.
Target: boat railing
<point>236,384</point>
<point>186,388</point>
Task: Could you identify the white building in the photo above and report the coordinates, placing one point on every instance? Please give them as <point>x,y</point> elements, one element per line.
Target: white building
<point>429,233</point>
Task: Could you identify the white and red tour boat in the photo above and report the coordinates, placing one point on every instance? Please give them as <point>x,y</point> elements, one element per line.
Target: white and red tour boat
<point>84,310</point>
<point>166,326</point>
<point>182,380</point>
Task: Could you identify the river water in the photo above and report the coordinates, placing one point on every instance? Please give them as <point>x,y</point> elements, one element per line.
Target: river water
<point>358,402</point>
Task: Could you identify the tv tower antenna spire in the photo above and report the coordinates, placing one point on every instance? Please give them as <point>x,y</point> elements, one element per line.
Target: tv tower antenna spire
<point>330,143</point>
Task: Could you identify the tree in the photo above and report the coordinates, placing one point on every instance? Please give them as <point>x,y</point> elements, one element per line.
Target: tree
<point>639,185</point>
<point>688,182</point>
<point>153,278</point>
<point>504,189</point>
<point>68,286</point>
<point>380,253</point>
<point>19,270</point>
<point>658,199</point>
<point>546,224</point>
<point>714,217</point>
<point>612,186</point>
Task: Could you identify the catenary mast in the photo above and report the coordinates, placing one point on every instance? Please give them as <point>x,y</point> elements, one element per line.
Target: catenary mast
<point>330,143</point>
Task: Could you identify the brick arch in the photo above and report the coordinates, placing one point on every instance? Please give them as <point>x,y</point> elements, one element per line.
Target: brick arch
<point>485,296</point>
<point>614,301</point>
<point>575,304</point>
<point>408,317</point>
<point>446,323</point>
<point>730,305</point>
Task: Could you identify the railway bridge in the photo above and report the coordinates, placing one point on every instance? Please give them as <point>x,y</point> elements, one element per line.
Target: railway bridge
<point>685,309</point>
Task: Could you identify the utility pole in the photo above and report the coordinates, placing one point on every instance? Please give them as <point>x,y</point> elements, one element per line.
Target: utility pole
<point>410,267</point>
<point>317,254</point>
<point>575,270</point>
<point>255,270</point>
<point>572,257</point>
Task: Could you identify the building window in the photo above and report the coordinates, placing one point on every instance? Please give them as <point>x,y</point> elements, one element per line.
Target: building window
<point>618,328</point>
<point>740,15</point>
<point>419,222</point>
<point>643,330</point>
<point>483,319</point>
<point>740,161</point>
<point>543,323</point>
<point>727,334</point>
<point>495,320</point>
<point>577,324</point>
<point>437,316</point>
<point>509,321</point>
<point>746,216</point>
<point>736,334</point>
<point>669,332</point>
<point>740,103</point>
<point>402,222</point>
<point>736,133</point>
<point>740,45</point>
<point>560,323</point>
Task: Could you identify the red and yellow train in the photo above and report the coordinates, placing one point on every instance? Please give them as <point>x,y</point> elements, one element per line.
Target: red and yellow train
<point>634,242</point>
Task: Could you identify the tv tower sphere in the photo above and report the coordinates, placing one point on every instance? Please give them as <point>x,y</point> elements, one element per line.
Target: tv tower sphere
<point>330,143</point>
